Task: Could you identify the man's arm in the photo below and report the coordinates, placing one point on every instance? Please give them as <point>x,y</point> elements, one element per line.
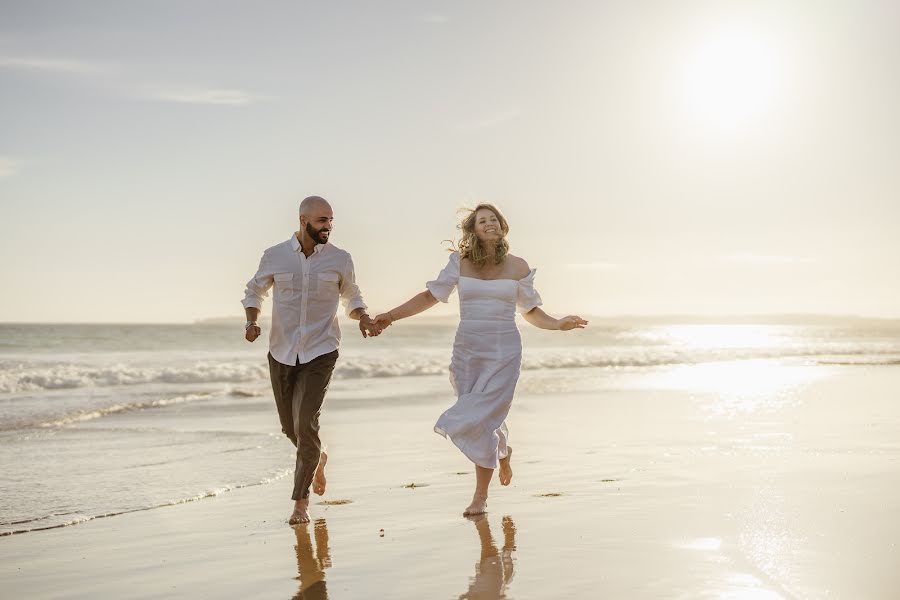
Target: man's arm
<point>257,289</point>
<point>353,302</point>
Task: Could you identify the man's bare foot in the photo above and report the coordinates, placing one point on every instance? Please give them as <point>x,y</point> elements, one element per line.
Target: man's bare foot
<point>301,512</point>
<point>505,468</point>
<point>318,486</point>
<point>478,506</point>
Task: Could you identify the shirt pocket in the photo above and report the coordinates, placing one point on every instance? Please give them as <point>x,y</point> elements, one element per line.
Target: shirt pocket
<point>327,288</point>
<point>284,286</point>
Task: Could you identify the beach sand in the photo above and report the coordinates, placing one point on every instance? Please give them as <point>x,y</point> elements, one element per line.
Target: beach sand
<point>726,480</point>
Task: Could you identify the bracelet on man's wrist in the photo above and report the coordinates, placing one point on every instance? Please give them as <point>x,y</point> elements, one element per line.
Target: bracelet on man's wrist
<point>249,324</point>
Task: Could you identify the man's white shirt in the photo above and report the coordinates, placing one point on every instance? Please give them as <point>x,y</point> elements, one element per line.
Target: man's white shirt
<point>304,310</point>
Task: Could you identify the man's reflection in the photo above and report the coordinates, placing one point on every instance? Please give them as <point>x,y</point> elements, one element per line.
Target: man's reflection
<point>312,566</point>
<point>495,569</point>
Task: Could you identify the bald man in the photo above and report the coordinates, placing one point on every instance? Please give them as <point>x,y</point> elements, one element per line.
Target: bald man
<point>309,276</point>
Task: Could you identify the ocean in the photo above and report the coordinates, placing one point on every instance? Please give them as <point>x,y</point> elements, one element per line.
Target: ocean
<point>101,420</point>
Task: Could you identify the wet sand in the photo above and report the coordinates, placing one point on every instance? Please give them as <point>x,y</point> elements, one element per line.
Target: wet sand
<point>730,480</point>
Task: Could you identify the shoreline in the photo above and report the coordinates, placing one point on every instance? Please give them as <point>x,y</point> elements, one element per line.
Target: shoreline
<point>654,488</point>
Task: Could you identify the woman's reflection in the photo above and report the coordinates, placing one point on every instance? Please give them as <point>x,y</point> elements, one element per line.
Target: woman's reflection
<point>495,569</point>
<point>312,567</point>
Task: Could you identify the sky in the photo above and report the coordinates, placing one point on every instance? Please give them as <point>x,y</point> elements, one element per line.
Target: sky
<point>651,157</point>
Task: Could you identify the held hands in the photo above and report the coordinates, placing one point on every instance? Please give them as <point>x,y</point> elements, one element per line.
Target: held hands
<point>368,327</point>
<point>571,322</point>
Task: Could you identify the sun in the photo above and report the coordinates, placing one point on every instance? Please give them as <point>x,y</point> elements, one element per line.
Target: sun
<point>730,79</point>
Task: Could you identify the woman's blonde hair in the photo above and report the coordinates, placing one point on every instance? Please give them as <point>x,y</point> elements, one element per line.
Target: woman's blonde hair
<point>471,247</point>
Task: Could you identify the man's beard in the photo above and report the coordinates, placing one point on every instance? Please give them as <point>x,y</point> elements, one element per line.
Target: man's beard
<point>316,234</point>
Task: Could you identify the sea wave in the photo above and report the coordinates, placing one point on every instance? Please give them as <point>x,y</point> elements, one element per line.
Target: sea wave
<point>246,393</point>
<point>860,363</point>
<point>31,378</point>
<point>616,358</point>
<point>24,378</point>
<point>89,415</point>
<point>55,521</point>
<point>79,416</point>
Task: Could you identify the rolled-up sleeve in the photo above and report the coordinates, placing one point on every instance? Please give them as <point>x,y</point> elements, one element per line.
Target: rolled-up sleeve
<point>351,297</point>
<point>258,286</point>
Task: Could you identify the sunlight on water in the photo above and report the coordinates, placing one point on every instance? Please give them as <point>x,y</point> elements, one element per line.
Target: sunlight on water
<point>708,544</point>
<point>750,378</point>
<point>746,587</point>
<point>725,336</point>
<point>767,540</point>
<point>745,378</point>
<point>739,386</point>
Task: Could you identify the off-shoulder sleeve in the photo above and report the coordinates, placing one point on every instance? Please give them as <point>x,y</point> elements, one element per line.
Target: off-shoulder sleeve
<point>446,281</point>
<point>528,297</point>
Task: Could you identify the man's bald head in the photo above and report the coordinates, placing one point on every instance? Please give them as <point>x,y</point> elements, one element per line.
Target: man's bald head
<point>316,217</point>
<point>313,204</point>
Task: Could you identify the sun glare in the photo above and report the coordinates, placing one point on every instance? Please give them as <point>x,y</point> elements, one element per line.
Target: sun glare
<point>739,385</point>
<point>730,79</point>
<point>725,336</point>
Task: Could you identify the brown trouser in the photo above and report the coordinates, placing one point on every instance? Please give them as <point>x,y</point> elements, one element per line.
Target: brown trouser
<point>299,393</point>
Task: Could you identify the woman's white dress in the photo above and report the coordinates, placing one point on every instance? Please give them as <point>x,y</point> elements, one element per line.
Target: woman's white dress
<point>487,358</point>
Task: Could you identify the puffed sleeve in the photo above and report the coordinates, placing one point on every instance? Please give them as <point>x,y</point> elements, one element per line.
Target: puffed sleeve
<point>446,281</point>
<point>528,297</point>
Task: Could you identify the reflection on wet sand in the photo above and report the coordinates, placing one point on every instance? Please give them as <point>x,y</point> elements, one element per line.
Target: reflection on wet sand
<point>311,566</point>
<point>495,569</point>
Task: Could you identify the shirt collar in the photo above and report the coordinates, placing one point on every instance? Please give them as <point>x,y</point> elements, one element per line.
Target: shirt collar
<point>295,244</point>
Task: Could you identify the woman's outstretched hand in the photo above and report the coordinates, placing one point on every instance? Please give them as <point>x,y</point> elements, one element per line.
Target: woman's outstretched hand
<point>571,322</point>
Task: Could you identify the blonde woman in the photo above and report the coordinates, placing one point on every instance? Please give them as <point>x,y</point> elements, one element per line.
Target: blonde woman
<point>487,351</point>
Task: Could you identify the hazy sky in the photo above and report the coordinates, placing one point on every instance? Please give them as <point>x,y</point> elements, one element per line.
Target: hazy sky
<point>651,157</point>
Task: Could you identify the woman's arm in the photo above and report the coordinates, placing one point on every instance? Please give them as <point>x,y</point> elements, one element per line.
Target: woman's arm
<point>418,303</point>
<point>542,320</point>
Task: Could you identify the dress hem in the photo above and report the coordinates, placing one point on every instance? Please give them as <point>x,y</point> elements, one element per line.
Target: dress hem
<point>443,433</point>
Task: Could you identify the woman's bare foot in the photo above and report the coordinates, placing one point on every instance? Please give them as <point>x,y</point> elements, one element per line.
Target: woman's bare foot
<point>301,512</point>
<point>505,468</point>
<point>318,486</point>
<point>478,506</point>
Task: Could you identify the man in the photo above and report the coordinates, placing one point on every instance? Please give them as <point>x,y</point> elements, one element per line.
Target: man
<point>309,275</point>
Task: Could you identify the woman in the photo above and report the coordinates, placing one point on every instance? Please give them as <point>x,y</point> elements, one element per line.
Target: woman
<point>487,351</point>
